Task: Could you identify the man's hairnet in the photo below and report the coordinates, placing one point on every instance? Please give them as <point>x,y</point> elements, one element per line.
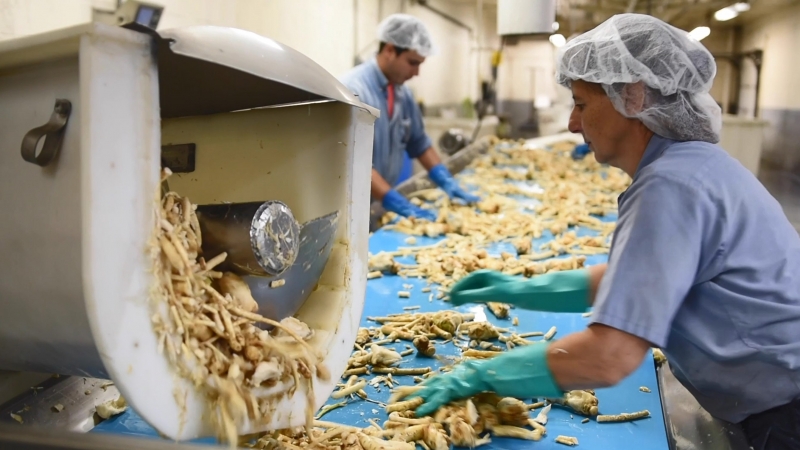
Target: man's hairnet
<point>405,31</point>
<point>676,70</point>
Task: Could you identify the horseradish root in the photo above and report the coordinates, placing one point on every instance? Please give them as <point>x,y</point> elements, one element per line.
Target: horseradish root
<point>580,401</point>
<point>500,310</point>
<point>412,404</point>
<point>206,327</point>
<point>424,347</point>
<point>624,417</point>
<point>567,440</point>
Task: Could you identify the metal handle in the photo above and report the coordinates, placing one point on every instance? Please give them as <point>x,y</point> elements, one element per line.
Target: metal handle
<point>52,131</point>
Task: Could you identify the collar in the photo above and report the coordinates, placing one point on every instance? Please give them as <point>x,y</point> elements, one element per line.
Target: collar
<point>377,74</point>
<point>655,148</point>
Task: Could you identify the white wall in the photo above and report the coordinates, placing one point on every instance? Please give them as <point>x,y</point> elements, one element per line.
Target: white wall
<point>778,35</point>
<point>449,75</point>
<point>331,32</point>
<point>462,60</point>
<point>721,41</point>
<point>321,30</point>
<point>183,13</point>
<point>527,71</point>
<point>24,17</point>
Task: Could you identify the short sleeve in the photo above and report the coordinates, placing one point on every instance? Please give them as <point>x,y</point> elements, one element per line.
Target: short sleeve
<point>655,257</point>
<point>419,141</point>
<point>358,88</point>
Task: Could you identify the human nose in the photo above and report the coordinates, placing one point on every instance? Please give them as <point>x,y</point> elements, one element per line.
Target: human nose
<point>574,124</point>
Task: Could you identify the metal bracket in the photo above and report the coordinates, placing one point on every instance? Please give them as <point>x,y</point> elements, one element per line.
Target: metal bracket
<point>52,131</point>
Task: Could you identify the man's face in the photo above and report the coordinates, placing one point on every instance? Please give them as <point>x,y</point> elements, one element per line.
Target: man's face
<point>602,127</point>
<point>402,67</point>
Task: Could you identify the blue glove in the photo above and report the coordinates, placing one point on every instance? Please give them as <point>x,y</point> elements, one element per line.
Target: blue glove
<point>393,201</point>
<point>442,177</point>
<point>581,151</point>
<point>565,291</point>
<point>520,373</point>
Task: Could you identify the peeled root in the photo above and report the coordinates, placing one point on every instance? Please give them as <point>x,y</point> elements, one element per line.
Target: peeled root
<point>516,432</point>
<point>462,434</point>
<point>513,412</point>
<point>403,392</point>
<point>567,440</point>
<point>472,353</point>
<point>414,403</point>
<point>349,390</point>
<point>328,408</point>
<point>542,416</point>
<point>435,439</point>
<point>402,371</point>
<point>373,443</point>
<point>231,284</point>
<point>112,407</point>
<point>424,346</point>
<point>624,417</point>
<point>500,310</point>
<point>483,331</point>
<point>580,401</point>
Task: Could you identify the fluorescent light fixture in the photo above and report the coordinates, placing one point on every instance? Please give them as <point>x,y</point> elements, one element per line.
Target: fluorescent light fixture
<point>741,7</point>
<point>700,33</point>
<point>558,40</point>
<point>726,13</point>
<point>555,26</point>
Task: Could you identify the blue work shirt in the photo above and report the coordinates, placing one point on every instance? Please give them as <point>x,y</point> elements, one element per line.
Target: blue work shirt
<point>703,265</point>
<point>403,132</point>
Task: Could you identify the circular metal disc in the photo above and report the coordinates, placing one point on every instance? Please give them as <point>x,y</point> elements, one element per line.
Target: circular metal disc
<point>275,237</point>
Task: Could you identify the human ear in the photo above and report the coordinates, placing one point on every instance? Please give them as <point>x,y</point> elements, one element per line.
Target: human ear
<point>633,98</point>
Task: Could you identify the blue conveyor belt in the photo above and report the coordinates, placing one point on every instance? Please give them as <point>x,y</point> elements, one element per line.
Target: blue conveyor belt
<point>381,299</point>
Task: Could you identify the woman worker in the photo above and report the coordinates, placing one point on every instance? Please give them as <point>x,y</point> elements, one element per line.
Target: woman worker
<point>703,259</point>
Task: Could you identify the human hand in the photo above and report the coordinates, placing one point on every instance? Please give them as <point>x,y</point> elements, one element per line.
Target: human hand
<point>442,177</point>
<point>395,202</point>
<point>565,291</point>
<point>520,373</point>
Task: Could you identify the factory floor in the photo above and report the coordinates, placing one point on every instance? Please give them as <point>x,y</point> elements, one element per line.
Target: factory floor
<point>785,187</point>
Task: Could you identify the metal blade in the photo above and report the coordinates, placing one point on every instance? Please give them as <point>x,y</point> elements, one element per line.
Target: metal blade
<point>316,241</point>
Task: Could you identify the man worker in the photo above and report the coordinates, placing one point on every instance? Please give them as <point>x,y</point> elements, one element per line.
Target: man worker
<point>703,259</point>
<point>379,82</point>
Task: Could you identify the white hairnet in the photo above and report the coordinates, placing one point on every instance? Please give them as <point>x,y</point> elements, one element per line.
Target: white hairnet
<point>405,31</point>
<point>677,72</point>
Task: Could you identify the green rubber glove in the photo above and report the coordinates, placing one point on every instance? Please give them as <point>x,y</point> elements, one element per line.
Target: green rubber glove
<point>521,373</point>
<point>565,291</point>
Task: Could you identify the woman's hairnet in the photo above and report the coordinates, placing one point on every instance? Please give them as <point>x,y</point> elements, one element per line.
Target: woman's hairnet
<point>675,69</point>
<point>405,31</point>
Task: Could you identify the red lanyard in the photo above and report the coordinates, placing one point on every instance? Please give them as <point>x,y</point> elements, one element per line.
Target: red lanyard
<point>390,99</point>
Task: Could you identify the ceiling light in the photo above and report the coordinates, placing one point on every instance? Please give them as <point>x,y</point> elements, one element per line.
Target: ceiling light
<point>726,13</point>
<point>558,40</point>
<point>700,33</point>
<point>555,26</point>
<point>741,7</point>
